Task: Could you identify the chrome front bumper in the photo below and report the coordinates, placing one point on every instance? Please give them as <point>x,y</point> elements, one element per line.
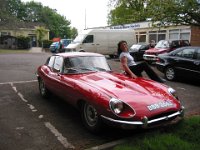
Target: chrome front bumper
<point>145,121</point>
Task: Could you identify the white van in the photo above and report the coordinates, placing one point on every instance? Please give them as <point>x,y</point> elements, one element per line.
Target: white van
<point>103,41</point>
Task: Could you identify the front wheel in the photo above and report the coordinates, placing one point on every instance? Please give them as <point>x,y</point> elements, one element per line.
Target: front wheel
<point>170,73</point>
<point>90,118</point>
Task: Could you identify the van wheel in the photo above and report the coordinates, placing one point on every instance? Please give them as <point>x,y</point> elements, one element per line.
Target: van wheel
<point>170,73</point>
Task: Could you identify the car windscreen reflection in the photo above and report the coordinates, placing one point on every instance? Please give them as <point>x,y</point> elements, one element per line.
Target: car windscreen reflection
<point>84,64</point>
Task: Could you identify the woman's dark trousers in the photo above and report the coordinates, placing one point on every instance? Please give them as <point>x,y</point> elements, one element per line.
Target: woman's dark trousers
<point>143,66</point>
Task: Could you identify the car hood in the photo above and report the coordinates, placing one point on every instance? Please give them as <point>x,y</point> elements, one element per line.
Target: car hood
<point>156,50</point>
<point>137,93</point>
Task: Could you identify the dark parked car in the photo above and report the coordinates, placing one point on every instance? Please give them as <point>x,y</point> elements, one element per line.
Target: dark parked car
<point>163,46</point>
<point>183,61</point>
<point>137,50</point>
<point>59,46</point>
<point>54,47</point>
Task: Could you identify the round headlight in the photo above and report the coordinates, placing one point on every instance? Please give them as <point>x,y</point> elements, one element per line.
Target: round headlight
<point>116,105</point>
<point>173,92</point>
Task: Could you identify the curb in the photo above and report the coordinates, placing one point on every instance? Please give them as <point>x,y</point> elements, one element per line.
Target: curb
<point>107,146</point>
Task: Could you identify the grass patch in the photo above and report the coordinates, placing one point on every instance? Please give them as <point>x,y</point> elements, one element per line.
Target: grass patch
<point>12,51</point>
<point>184,136</point>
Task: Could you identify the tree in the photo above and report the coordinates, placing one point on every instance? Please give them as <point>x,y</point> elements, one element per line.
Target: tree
<point>40,34</point>
<point>58,25</point>
<point>15,10</point>
<point>8,11</point>
<point>74,33</point>
<point>185,12</point>
<point>126,11</point>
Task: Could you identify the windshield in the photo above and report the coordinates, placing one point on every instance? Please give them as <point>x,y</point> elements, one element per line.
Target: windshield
<point>84,64</point>
<point>162,44</point>
<point>79,38</point>
<point>135,46</point>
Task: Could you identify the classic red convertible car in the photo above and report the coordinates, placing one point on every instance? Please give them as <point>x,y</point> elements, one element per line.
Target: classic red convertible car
<point>86,81</point>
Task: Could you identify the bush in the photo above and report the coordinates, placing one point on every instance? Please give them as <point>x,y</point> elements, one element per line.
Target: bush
<point>23,42</point>
<point>47,43</point>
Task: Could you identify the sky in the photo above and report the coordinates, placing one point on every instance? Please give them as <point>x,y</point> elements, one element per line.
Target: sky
<point>81,13</point>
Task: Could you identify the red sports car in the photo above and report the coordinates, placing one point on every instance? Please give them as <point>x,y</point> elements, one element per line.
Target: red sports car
<point>86,81</point>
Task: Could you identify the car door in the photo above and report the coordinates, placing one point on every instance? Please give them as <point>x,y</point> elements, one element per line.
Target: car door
<point>55,75</point>
<point>197,62</point>
<point>184,61</point>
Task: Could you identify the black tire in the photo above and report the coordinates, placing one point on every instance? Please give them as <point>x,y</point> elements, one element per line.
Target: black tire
<point>44,92</point>
<point>91,118</point>
<point>170,73</point>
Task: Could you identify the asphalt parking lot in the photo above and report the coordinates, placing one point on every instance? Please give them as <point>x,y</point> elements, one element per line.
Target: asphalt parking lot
<point>28,121</point>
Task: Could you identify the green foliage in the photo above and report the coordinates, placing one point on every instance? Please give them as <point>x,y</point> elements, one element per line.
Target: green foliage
<point>32,11</point>
<point>23,42</point>
<point>184,135</point>
<point>185,12</point>
<point>127,11</point>
<point>46,43</point>
<point>74,33</point>
<point>190,129</point>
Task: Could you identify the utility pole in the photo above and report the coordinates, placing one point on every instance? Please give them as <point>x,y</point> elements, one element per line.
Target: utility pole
<point>85,19</point>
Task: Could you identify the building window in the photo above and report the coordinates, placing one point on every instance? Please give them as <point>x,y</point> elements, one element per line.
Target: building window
<point>141,36</point>
<point>157,35</point>
<point>177,34</point>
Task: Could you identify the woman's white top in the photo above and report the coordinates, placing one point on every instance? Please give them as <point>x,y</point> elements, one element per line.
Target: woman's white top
<point>130,59</point>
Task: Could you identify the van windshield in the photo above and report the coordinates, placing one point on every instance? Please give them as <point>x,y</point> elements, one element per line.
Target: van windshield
<point>79,38</point>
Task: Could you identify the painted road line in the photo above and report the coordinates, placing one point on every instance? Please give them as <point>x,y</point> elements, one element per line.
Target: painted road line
<point>22,97</point>
<point>59,136</point>
<point>18,93</point>
<point>13,87</point>
<point>32,108</point>
<point>14,82</point>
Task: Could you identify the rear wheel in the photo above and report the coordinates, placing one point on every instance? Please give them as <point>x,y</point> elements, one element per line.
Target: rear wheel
<point>90,118</point>
<point>42,88</point>
<point>170,73</point>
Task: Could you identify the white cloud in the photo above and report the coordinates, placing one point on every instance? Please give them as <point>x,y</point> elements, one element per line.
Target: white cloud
<point>96,11</point>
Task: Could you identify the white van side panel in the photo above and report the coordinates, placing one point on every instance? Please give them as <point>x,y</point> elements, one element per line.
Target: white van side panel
<point>105,40</point>
<point>101,42</point>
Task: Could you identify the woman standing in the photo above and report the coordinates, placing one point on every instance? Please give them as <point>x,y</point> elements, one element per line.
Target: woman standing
<point>131,68</point>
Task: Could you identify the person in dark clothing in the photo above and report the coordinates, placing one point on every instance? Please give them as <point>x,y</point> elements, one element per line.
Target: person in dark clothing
<point>131,68</point>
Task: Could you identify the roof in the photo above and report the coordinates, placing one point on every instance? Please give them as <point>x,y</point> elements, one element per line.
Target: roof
<point>18,25</point>
<point>75,54</point>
